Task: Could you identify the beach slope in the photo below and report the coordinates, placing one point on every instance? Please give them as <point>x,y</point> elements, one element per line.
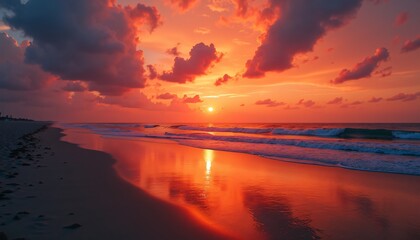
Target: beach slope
<point>55,190</point>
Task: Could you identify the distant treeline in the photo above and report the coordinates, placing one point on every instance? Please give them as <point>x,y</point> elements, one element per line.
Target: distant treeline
<point>11,118</point>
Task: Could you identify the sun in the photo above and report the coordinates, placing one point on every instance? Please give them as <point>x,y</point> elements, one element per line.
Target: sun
<point>210,109</point>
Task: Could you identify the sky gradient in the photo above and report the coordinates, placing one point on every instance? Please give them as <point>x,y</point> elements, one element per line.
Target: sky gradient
<point>170,60</point>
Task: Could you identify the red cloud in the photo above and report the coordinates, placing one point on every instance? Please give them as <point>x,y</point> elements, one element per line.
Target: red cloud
<point>336,100</point>
<point>15,74</point>
<point>307,103</point>
<point>405,97</point>
<point>75,86</point>
<point>142,14</point>
<point>375,100</point>
<point>202,57</point>
<point>384,72</point>
<point>152,72</point>
<point>223,80</point>
<point>401,19</point>
<point>296,30</point>
<point>269,103</point>
<point>93,41</point>
<point>166,96</point>
<point>411,45</point>
<point>136,99</point>
<point>242,7</point>
<point>195,99</point>
<point>183,5</point>
<point>364,68</point>
<point>173,51</point>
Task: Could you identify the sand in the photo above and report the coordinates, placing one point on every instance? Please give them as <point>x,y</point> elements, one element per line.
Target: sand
<point>51,189</point>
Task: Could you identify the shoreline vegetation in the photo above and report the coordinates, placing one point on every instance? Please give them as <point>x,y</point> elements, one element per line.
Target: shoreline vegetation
<point>52,189</point>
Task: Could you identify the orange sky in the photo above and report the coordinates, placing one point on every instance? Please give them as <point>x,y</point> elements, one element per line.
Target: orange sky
<point>377,86</point>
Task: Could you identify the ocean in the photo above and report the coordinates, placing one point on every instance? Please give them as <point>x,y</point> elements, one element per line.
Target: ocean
<point>378,147</point>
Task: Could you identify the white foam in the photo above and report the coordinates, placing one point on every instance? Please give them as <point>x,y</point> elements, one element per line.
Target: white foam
<point>406,135</point>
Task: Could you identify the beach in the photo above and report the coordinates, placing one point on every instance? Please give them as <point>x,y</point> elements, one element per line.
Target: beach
<point>148,188</point>
<point>60,191</point>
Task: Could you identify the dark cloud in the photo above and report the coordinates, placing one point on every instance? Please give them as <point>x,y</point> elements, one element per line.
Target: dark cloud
<point>296,30</point>
<point>132,99</point>
<point>307,103</point>
<point>405,97</point>
<point>375,99</point>
<point>363,69</point>
<point>195,99</point>
<point>183,5</point>
<point>269,103</point>
<point>93,41</point>
<point>223,80</point>
<point>202,57</point>
<point>385,72</point>
<point>15,74</point>
<point>411,45</point>
<point>75,86</point>
<point>336,100</point>
<point>401,19</point>
<point>173,51</point>
<point>166,96</point>
<point>138,100</point>
<point>351,104</point>
<point>152,72</point>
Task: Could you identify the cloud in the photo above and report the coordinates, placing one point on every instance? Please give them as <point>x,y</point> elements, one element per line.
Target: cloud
<point>202,30</point>
<point>375,100</point>
<point>269,103</point>
<point>364,68</point>
<point>136,99</point>
<point>282,41</point>
<point>405,97</point>
<point>411,45</point>
<point>223,80</point>
<point>132,99</point>
<point>307,103</point>
<point>401,19</point>
<point>183,5</point>
<point>356,103</point>
<point>152,72</point>
<point>166,96</point>
<point>219,5</point>
<point>385,72</point>
<point>336,100</point>
<point>242,8</point>
<point>75,86</point>
<point>288,107</point>
<point>92,41</point>
<point>173,51</point>
<point>195,99</point>
<point>202,57</point>
<point>15,74</point>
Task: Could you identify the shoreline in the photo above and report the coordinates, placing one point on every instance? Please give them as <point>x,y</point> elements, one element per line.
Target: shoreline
<point>278,198</point>
<point>75,193</point>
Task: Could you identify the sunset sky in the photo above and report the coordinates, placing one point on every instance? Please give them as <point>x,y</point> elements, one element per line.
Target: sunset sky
<point>250,60</point>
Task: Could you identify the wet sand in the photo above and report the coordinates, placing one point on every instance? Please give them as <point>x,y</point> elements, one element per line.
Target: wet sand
<point>52,189</point>
<point>260,198</point>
